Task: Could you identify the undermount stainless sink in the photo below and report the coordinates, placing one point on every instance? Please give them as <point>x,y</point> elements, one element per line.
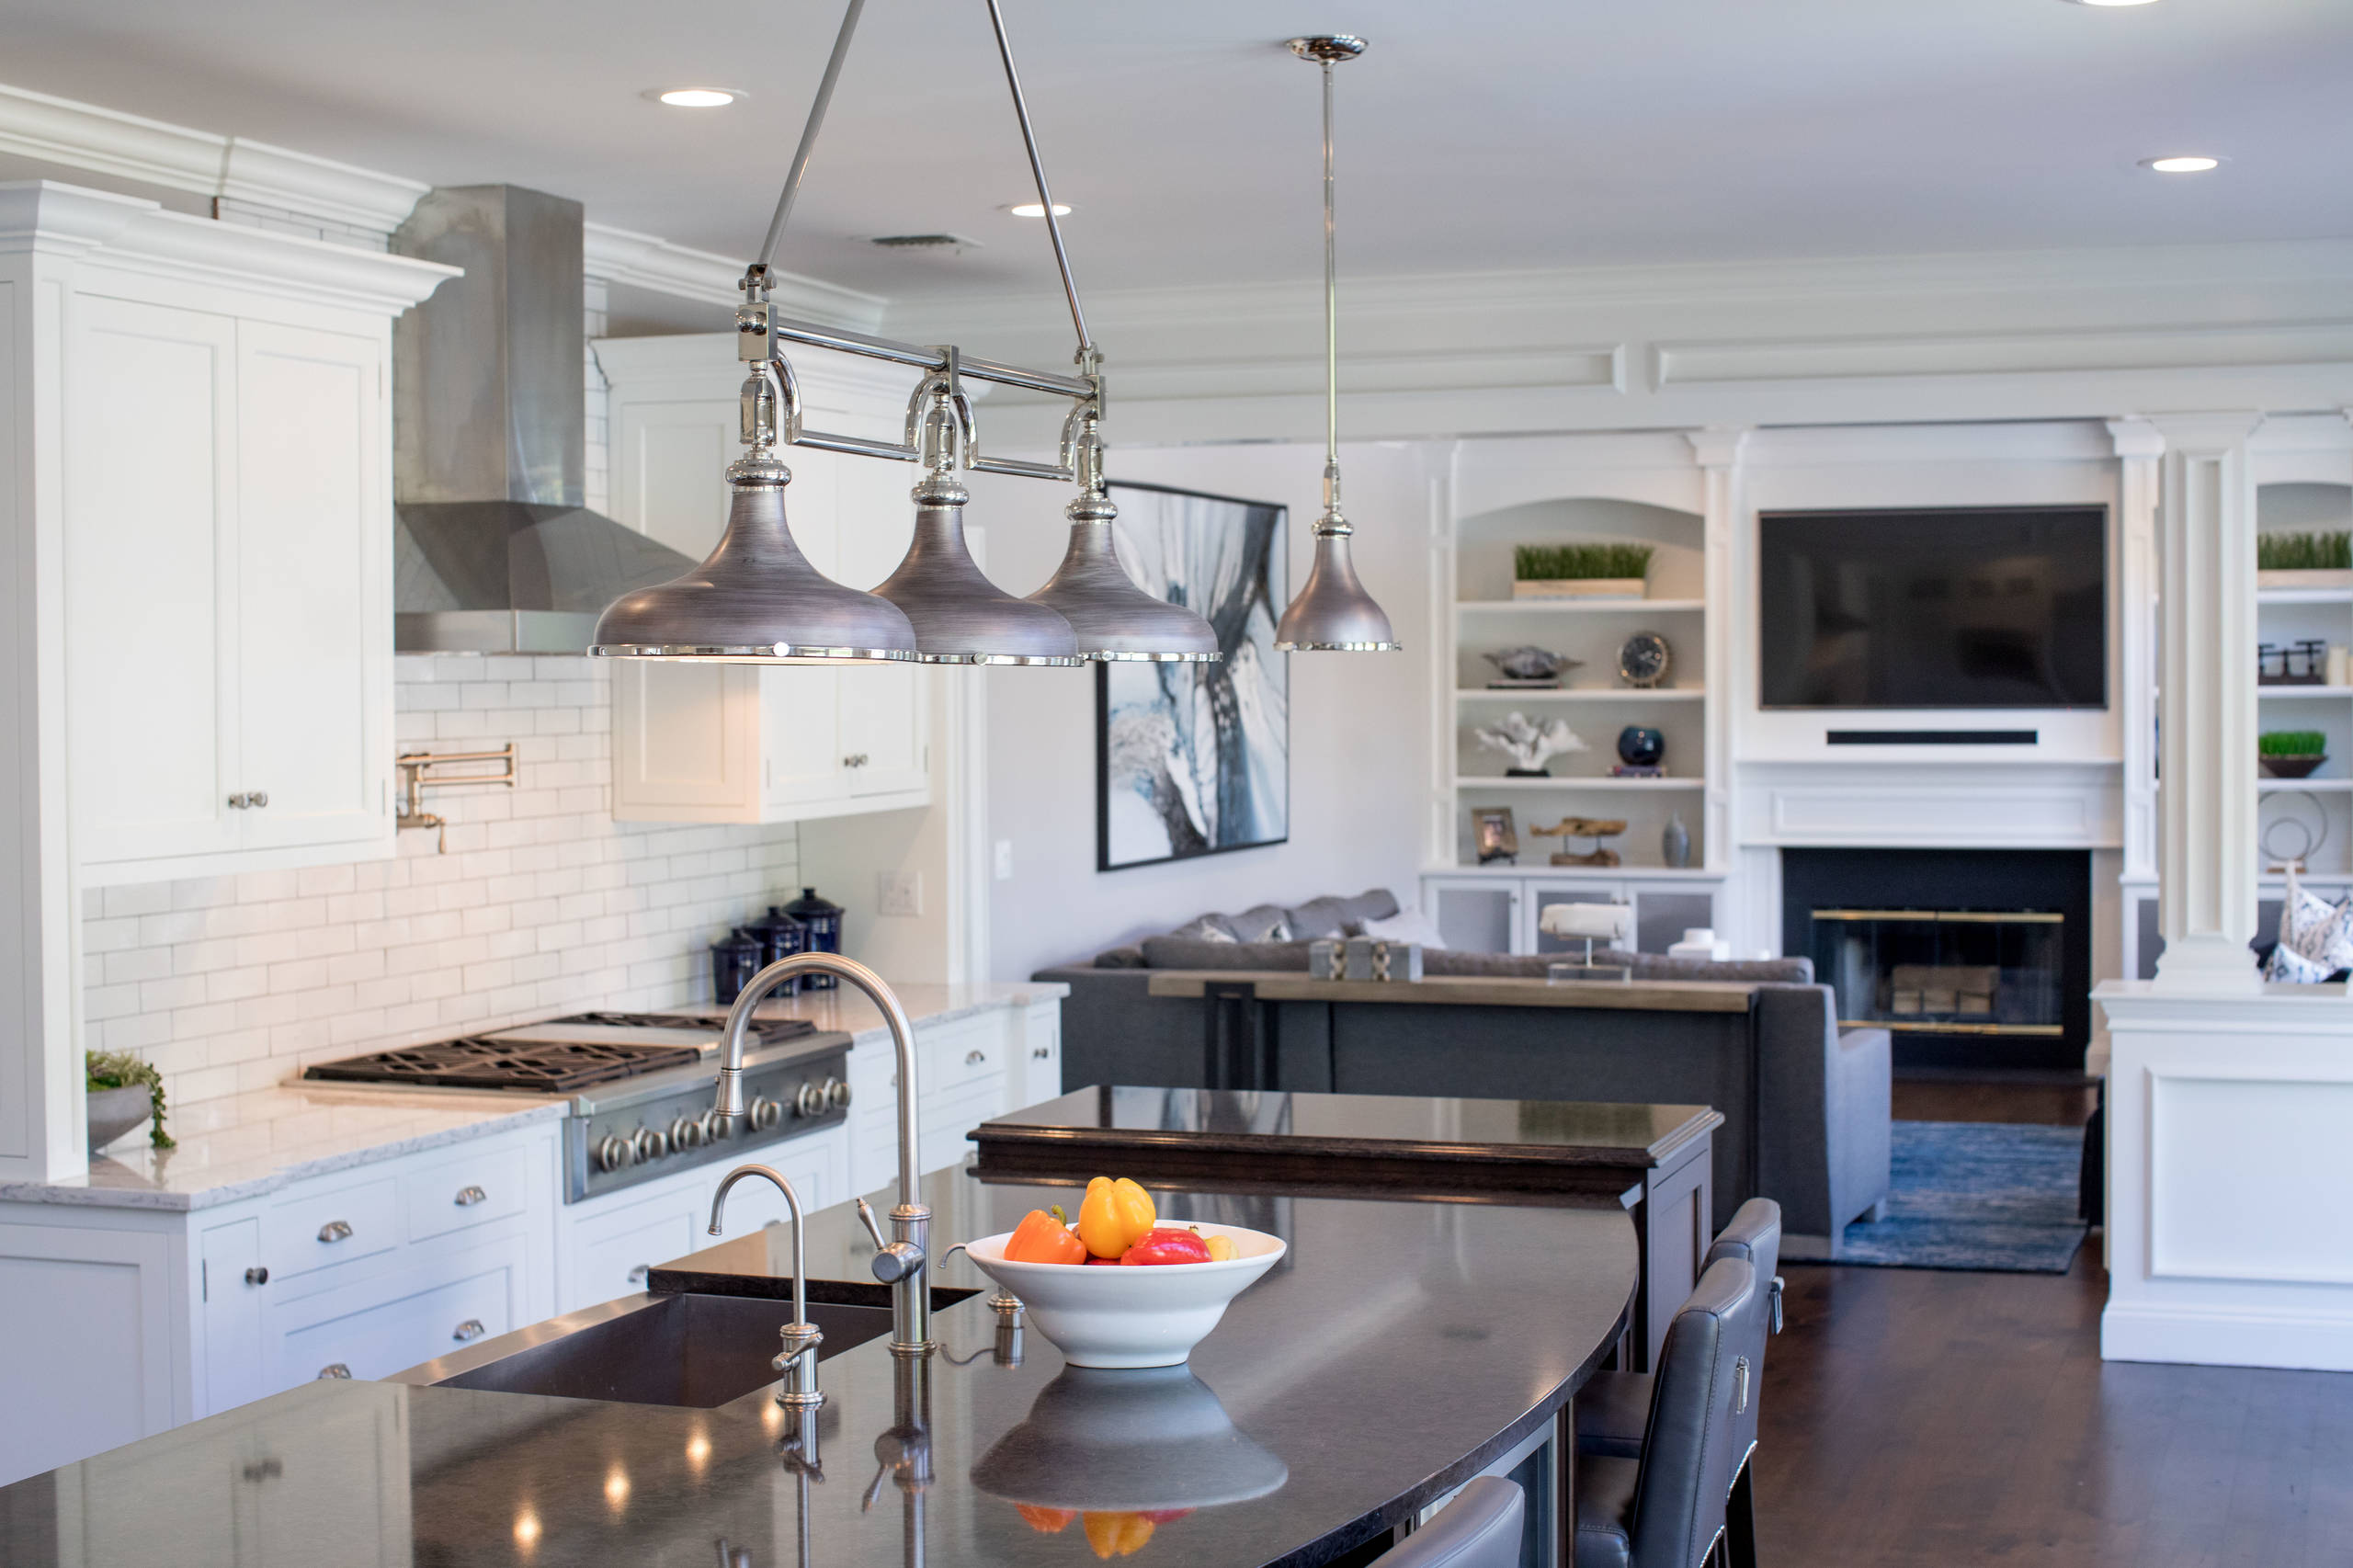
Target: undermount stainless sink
<point>684,1349</point>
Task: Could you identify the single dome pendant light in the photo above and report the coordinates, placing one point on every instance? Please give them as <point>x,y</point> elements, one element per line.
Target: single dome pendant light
<point>1333,613</point>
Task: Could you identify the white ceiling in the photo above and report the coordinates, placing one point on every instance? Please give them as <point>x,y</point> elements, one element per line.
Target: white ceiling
<point>1512,133</point>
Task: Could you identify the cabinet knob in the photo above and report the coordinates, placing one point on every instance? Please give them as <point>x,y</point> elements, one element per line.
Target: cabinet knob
<point>257,1275</point>
<point>332,1369</point>
<point>637,1276</point>
<point>469,1329</point>
<point>260,798</point>
<point>240,800</point>
<point>470,1196</point>
<point>335,1231</point>
<point>974,1058</point>
<point>1040,1053</point>
<point>854,759</point>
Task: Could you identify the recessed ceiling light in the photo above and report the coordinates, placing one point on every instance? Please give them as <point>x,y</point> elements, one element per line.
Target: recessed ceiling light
<point>693,97</point>
<point>2197,165</point>
<point>1032,209</point>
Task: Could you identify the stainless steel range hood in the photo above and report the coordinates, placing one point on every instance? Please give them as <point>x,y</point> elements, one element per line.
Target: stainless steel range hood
<point>493,552</point>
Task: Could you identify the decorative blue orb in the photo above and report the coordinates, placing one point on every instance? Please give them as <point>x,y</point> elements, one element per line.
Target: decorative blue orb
<point>1639,746</point>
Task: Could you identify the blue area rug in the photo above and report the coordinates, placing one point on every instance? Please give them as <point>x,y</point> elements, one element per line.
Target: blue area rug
<point>1994,1197</point>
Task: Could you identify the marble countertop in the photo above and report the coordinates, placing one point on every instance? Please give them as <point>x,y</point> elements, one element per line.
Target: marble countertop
<point>1398,1349</point>
<point>246,1144</point>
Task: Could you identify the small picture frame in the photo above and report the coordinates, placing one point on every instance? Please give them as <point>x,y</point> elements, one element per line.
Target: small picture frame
<point>1495,834</point>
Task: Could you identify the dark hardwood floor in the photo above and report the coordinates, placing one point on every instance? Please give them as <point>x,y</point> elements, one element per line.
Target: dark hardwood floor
<point>1917,1417</point>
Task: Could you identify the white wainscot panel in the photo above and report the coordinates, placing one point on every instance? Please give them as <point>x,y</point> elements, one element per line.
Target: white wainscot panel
<point>2212,1217</point>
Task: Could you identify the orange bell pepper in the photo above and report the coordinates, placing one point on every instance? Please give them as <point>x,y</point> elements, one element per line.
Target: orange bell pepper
<point>1044,1238</point>
<point>1116,1535</point>
<point>1114,1215</point>
<point>1044,1520</point>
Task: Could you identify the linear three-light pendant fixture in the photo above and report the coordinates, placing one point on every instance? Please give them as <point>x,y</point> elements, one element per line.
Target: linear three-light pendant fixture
<point>757,599</point>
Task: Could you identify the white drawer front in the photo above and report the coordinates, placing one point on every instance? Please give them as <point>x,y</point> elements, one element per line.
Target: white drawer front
<point>387,1336</point>
<point>472,1191</point>
<point>960,1053</point>
<point>614,1251</point>
<point>946,1117</point>
<point>320,1230</point>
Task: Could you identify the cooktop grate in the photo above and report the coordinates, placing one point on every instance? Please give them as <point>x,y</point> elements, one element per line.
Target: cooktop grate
<point>764,1031</point>
<point>541,1066</point>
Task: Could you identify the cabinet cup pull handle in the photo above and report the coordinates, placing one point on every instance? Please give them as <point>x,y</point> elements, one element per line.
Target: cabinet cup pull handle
<point>335,1231</point>
<point>974,1058</point>
<point>257,1275</point>
<point>470,1196</point>
<point>332,1369</point>
<point>637,1276</point>
<point>469,1329</point>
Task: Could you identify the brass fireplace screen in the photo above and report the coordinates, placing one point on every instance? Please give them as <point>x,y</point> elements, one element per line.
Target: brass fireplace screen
<point>1943,970</point>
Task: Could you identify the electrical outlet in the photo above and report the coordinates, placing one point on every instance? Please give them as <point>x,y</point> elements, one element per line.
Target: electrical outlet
<point>899,893</point>
<point>1005,859</point>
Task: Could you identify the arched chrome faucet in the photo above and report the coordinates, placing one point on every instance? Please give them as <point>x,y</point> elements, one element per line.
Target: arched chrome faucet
<point>798,1360</point>
<point>900,1262</point>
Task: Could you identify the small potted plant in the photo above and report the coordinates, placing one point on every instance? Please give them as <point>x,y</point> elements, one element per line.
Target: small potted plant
<point>1600,571</point>
<point>122,1092</point>
<point>2303,560</point>
<point>2290,753</point>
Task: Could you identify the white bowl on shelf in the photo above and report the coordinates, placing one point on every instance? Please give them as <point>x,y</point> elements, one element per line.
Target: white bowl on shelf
<point>1119,1317</point>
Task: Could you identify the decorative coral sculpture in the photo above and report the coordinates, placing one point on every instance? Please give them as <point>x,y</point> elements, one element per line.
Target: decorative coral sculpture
<point>1528,744</point>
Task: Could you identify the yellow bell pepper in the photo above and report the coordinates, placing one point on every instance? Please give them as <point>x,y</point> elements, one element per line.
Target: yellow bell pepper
<point>1114,1215</point>
<point>1116,1535</point>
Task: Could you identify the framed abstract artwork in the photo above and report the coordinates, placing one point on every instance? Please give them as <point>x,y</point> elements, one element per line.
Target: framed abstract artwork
<point>1194,760</point>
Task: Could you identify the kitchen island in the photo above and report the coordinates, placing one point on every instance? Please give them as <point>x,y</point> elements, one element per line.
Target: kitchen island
<point>1398,1349</point>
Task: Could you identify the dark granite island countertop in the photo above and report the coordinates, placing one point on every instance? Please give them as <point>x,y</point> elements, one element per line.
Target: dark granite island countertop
<point>1398,1349</point>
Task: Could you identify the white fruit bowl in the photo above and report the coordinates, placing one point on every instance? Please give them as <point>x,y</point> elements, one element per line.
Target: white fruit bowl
<point>1118,1317</point>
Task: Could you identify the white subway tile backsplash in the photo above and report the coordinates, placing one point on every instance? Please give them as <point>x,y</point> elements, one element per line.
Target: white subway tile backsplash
<point>543,903</point>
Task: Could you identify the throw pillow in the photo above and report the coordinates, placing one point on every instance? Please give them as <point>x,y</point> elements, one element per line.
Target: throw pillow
<point>2288,967</point>
<point>2317,931</point>
<point>1266,923</point>
<point>1205,928</point>
<point>1318,918</point>
<point>1406,925</point>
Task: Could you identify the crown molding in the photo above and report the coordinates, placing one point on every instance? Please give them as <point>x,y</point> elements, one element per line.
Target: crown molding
<point>645,261</point>
<point>134,235</point>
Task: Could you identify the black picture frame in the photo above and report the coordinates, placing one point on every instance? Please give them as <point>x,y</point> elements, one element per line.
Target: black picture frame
<point>1165,542</point>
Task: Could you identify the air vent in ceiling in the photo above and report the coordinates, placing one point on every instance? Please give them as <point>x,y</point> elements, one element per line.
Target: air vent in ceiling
<point>926,242</point>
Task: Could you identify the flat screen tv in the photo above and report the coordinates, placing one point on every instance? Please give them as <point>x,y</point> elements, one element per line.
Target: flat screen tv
<point>1934,608</point>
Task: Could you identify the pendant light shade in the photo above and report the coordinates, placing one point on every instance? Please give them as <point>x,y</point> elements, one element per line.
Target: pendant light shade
<point>757,599</point>
<point>1114,619</point>
<point>959,616</point>
<point>1332,613</point>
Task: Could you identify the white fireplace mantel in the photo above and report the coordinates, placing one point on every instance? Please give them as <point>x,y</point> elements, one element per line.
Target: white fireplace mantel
<point>1932,798</point>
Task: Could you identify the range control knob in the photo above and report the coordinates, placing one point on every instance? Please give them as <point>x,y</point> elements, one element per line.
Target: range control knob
<point>809,1101</point>
<point>686,1132</point>
<point>649,1145</point>
<point>837,1093</point>
<point>713,1127</point>
<point>766,1114</point>
<point>613,1152</point>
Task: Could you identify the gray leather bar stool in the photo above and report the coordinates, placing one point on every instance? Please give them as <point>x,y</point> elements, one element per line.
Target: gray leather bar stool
<point>1666,1508</point>
<point>1478,1528</point>
<point>1614,1408</point>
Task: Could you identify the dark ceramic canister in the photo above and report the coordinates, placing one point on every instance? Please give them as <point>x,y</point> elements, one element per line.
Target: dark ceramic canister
<point>822,920</point>
<point>734,958</point>
<point>1639,746</point>
<point>780,937</point>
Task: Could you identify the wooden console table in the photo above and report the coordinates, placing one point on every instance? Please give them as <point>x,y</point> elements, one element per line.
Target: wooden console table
<point>1652,1160</point>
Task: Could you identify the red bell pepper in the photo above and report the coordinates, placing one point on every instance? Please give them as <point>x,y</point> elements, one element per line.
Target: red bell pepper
<point>1164,1246</point>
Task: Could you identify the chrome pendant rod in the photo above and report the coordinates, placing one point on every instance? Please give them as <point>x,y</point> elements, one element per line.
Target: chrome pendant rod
<point>1037,173</point>
<point>1330,305</point>
<point>809,132</point>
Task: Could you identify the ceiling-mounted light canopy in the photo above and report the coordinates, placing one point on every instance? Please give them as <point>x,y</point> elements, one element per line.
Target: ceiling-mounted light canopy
<point>1332,613</point>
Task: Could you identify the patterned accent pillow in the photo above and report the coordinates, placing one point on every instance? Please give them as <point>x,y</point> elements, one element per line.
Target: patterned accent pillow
<point>2288,967</point>
<point>2317,931</point>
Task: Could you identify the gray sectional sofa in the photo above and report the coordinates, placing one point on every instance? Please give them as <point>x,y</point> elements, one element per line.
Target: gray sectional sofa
<point>1821,1116</point>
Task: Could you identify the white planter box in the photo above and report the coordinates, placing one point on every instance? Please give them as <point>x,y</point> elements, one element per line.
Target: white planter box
<point>1578,588</point>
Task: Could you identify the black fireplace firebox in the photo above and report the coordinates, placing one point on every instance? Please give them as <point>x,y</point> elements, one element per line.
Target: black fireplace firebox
<point>1968,958</point>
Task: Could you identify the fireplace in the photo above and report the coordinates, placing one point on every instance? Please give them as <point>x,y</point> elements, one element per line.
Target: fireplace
<point>1968,957</point>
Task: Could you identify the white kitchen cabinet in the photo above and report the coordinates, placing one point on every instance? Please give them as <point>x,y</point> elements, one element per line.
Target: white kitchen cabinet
<point>228,592</point>
<point>742,743</point>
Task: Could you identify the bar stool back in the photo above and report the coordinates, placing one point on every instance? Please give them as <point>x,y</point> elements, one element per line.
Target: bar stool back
<point>1480,1528</point>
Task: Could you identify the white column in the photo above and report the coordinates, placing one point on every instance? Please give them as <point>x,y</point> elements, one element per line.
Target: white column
<point>1718,451</point>
<point>2140,451</point>
<point>2206,798</point>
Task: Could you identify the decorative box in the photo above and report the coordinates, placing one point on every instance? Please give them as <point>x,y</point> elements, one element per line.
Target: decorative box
<point>1377,958</point>
<point>1327,960</point>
